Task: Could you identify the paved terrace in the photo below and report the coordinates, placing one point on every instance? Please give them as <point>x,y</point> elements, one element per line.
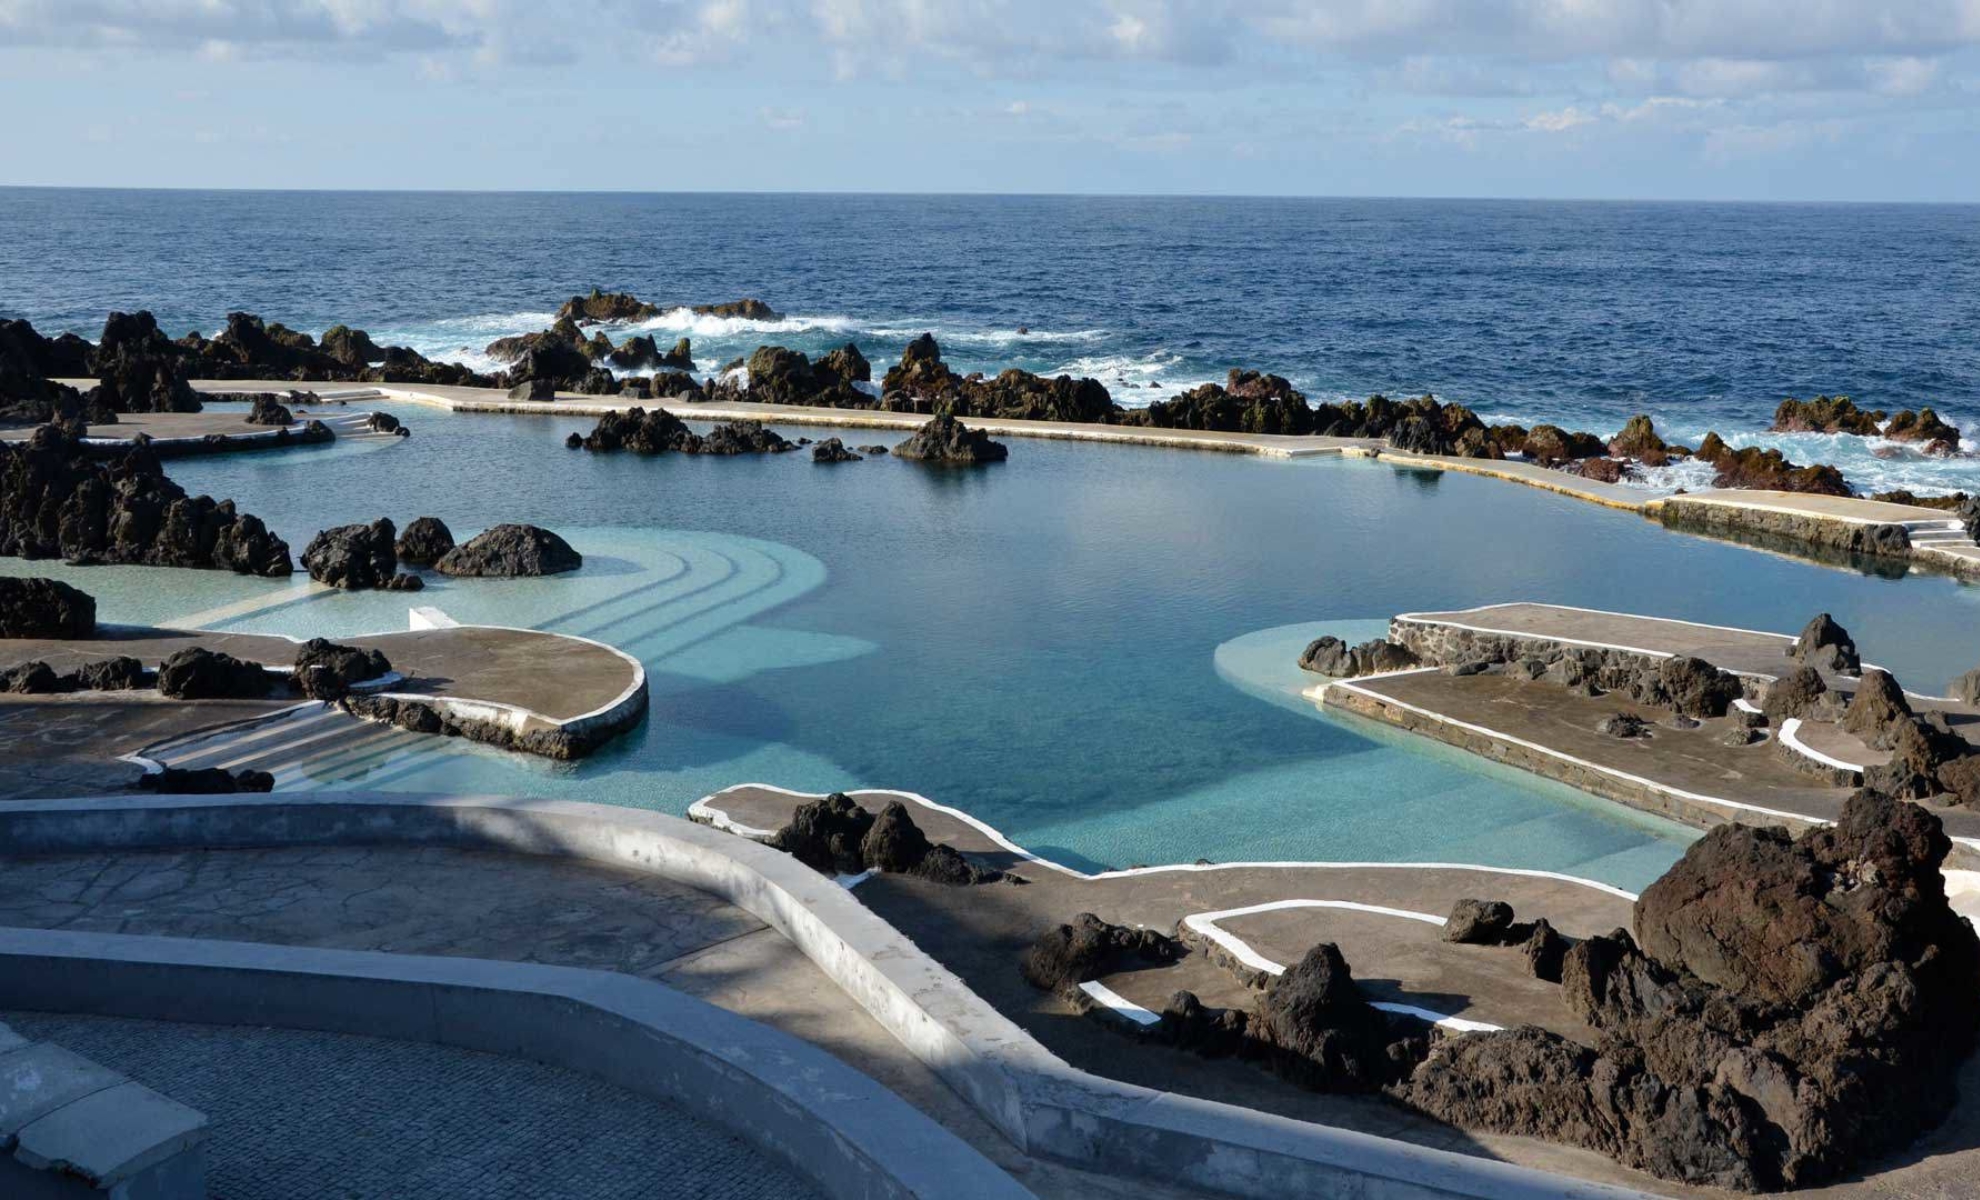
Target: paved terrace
<point>1689,774</point>
<point>536,680</point>
<point>1386,918</point>
<point>301,1101</point>
<point>189,431</point>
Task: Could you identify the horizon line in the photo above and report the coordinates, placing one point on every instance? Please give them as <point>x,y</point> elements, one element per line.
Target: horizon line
<point>1019,195</point>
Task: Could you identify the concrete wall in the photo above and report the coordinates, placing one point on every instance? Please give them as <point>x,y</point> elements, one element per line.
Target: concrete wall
<point>1043,1105</point>
<point>849,1135</point>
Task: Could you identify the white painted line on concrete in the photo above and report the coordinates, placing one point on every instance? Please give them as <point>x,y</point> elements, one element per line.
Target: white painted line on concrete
<point>1581,762</point>
<point>709,812</point>
<point>1791,728</point>
<point>1207,925</point>
<point>1111,999</point>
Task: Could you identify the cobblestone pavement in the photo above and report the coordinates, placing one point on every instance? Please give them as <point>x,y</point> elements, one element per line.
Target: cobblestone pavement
<point>316,1116</point>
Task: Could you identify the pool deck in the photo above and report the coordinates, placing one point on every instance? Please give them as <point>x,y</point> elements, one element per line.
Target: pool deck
<point>1799,776</point>
<point>1386,918</point>
<point>525,679</point>
<point>1248,920</point>
<point>178,434</point>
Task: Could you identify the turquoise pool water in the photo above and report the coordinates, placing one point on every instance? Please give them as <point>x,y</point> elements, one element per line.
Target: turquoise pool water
<point>1090,647</point>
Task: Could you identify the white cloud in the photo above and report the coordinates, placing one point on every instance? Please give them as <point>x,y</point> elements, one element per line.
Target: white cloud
<point>1559,122</point>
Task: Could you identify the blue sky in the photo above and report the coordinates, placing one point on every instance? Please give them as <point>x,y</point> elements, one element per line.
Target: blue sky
<point>1680,99</point>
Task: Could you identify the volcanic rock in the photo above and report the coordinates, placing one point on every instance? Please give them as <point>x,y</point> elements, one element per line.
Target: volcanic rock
<point>1624,725</point>
<point>1795,694</point>
<point>739,437</point>
<point>943,439</point>
<point>352,347</point>
<point>827,835</point>
<point>44,608</point>
<point>424,542</point>
<point>267,409</point>
<point>1066,956</point>
<point>1478,922</point>
<point>1876,709</point>
<point>325,670</point>
<point>1324,1033</point>
<point>197,673</point>
<point>1926,426</point>
<point>1639,440</point>
<point>1797,1007</point>
<point>139,369</point>
<point>832,450</point>
<point>204,781</point>
<point>1824,643</point>
<point>745,310</point>
<point>534,389</point>
<point>1331,656</point>
<point>1768,470</point>
<point>120,674</point>
<point>57,501</point>
<point>353,556</point>
<point>607,306</point>
<point>1825,414</point>
<point>511,551</point>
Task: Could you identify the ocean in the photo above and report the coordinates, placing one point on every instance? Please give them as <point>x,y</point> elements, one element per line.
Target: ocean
<point>1703,315</point>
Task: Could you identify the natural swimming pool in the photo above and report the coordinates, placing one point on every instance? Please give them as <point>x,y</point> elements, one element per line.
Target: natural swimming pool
<point>1070,645</point>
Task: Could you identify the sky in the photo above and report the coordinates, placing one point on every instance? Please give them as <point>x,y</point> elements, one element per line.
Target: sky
<point>1639,99</point>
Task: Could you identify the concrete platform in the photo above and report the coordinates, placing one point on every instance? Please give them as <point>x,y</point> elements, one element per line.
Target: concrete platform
<point>1799,777</point>
<point>518,908</point>
<point>523,679</point>
<point>210,432</point>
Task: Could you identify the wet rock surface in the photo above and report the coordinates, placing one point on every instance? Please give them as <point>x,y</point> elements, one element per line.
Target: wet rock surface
<point>944,439</point>
<point>45,608</point>
<point>1770,470</point>
<point>1332,657</point>
<point>509,552</point>
<point>354,557</point>
<point>1825,414</point>
<point>832,450</point>
<point>425,541</point>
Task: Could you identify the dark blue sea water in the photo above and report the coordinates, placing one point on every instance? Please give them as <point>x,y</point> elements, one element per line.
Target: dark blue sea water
<point>1705,315</point>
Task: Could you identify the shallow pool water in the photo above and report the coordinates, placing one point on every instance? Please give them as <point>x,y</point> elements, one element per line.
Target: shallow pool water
<point>1085,645</point>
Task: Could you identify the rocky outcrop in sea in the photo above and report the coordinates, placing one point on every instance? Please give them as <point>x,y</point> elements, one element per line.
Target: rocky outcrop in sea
<point>44,608</point>
<point>944,439</point>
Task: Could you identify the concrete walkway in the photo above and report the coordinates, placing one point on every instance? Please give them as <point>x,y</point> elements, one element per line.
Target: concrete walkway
<point>324,1116</point>
<point>1690,774</point>
<point>557,912</point>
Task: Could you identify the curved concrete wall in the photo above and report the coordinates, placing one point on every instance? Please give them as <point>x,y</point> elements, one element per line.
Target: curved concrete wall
<point>1044,1106</point>
<point>849,1135</point>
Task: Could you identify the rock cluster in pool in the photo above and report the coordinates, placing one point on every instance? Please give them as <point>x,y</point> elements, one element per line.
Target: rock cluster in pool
<point>59,501</point>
